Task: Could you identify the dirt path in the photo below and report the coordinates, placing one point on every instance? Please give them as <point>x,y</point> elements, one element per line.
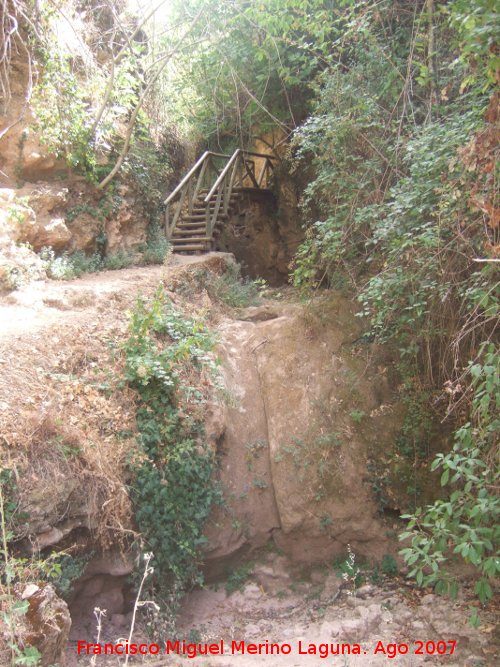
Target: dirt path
<point>44,303</point>
<point>277,606</point>
<point>282,619</point>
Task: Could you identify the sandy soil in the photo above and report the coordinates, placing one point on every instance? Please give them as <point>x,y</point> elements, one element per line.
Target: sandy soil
<point>275,606</point>
<point>44,303</point>
<point>298,615</point>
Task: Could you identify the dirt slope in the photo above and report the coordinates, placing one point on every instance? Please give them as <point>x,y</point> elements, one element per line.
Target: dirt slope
<point>55,337</point>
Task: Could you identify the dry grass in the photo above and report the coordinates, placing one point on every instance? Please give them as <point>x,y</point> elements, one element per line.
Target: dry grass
<point>67,432</point>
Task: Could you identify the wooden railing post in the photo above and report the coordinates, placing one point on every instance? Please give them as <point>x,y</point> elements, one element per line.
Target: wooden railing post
<point>167,221</point>
<point>238,167</point>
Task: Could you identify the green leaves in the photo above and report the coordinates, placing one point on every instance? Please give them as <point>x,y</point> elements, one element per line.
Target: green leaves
<point>173,488</point>
<point>253,65</point>
<point>477,22</point>
<point>467,525</point>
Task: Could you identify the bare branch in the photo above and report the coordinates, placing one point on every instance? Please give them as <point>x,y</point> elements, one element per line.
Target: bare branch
<point>144,94</point>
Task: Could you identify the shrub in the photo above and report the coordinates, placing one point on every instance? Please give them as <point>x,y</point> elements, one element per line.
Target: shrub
<point>228,288</point>
<point>157,246</point>
<point>466,524</point>
<point>122,259</point>
<point>66,266</point>
<point>166,356</point>
<point>404,204</point>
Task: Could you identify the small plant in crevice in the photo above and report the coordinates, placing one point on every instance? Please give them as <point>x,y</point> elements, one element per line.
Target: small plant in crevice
<point>259,483</point>
<point>18,212</point>
<point>13,609</point>
<point>229,287</point>
<point>349,571</point>
<point>238,578</point>
<point>253,451</point>
<point>357,416</point>
<point>325,522</point>
<point>168,364</point>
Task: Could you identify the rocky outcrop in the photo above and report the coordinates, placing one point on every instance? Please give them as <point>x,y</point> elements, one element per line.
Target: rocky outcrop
<point>309,405</point>
<point>46,625</point>
<point>34,216</point>
<point>65,219</point>
<point>263,233</point>
<point>319,607</point>
<point>127,227</point>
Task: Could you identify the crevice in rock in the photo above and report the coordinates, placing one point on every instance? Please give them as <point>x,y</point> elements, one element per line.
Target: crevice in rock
<point>105,584</point>
<point>263,234</point>
<point>266,418</point>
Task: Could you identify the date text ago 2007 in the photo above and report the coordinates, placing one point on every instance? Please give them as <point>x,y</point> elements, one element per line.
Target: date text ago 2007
<point>391,650</point>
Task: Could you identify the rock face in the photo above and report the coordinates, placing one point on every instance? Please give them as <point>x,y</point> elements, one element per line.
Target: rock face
<point>308,407</point>
<point>34,216</point>
<point>263,234</point>
<point>22,155</point>
<point>47,624</point>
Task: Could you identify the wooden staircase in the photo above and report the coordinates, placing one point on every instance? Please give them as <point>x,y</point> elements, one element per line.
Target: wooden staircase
<point>205,198</point>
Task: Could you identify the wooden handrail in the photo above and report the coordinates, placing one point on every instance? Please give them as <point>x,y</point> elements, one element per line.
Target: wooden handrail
<point>239,166</point>
<point>234,156</point>
<point>222,175</point>
<point>190,173</point>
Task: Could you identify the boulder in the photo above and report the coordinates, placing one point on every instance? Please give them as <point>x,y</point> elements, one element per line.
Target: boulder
<point>45,232</point>
<point>33,216</point>
<point>84,229</point>
<point>306,413</point>
<point>39,166</point>
<point>44,198</point>
<point>48,624</point>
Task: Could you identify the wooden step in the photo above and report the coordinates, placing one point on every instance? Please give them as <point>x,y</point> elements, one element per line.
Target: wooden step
<point>190,227</point>
<point>190,248</point>
<point>198,229</point>
<point>213,199</point>
<point>202,210</point>
<point>195,218</point>
<point>190,242</point>
<point>189,239</point>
